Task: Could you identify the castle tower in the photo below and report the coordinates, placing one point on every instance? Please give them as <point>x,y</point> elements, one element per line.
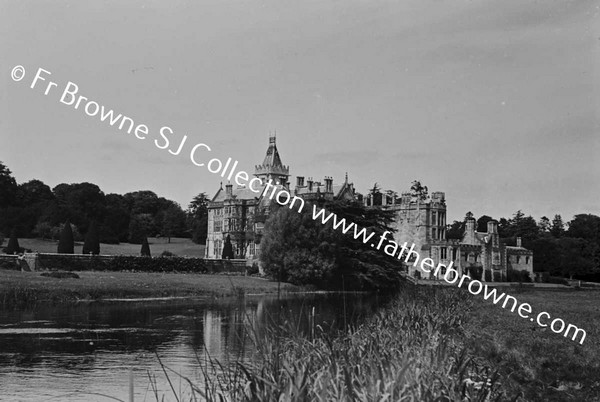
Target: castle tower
<point>272,168</point>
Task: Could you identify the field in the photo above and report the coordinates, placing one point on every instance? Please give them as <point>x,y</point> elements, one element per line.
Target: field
<point>181,247</point>
<point>534,360</point>
<point>18,289</point>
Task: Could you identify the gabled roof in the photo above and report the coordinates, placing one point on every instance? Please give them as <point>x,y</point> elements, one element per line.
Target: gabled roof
<point>240,193</point>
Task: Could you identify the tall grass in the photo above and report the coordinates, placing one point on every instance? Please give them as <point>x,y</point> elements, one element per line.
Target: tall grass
<point>411,350</point>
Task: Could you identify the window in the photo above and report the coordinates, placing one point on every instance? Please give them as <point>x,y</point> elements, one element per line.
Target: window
<point>433,217</point>
<point>496,258</point>
<point>217,248</point>
<point>434,233</point>
<point>252,248</point>
<point>443,253</point>
<point>218,226</point>
<point>518,258</point>
<point>527,260</point>
<point>471,257</point>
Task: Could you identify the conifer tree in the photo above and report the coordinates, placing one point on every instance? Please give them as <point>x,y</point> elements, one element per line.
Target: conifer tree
<point>13,243</point>
<point>227,249</point>
<point>145,252</point>
<point>92,240</point>
<point>66,244</point>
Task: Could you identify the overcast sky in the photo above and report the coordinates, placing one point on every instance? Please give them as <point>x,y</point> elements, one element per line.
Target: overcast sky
<point>496,103</point>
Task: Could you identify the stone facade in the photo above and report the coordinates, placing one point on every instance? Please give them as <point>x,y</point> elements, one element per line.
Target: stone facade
<point>423,222</point>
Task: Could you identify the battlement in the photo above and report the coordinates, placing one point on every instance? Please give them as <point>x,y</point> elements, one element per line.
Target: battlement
<point>270,169</point>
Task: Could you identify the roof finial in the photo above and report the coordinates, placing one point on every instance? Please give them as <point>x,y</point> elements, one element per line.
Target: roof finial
<point>346,177</point>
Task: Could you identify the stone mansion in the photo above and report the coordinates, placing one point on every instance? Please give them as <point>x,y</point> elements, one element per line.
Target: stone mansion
<point>240,214</point>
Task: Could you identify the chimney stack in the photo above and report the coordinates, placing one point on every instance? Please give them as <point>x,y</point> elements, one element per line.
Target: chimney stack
<point>492,227</point>
<point>519,244</point>
<point>470,226</point>
<point>328,184</point>
<point>309,181</point>
<point>299,181</point>
<point>228,190</point>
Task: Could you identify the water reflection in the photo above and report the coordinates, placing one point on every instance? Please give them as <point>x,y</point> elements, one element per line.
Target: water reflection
<point>73,353</point>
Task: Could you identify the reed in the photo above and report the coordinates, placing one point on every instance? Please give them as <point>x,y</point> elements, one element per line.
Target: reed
<point>412,350</point>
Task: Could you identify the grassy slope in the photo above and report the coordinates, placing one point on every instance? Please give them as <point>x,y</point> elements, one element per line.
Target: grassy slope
<point>178,246</point>
<point>19,288</point>
<point>544,365</point>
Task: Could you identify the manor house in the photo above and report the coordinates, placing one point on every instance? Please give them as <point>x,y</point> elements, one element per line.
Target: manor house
<point>240,213</point>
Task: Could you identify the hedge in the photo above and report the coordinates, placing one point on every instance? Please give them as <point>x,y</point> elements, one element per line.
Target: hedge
<point>136,264</point>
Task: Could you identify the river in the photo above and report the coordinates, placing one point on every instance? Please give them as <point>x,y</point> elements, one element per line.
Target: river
<point>91,351</point>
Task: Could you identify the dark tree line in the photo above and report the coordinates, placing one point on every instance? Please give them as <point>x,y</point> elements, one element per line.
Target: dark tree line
<point>570,249</point>
<point>33,209</point>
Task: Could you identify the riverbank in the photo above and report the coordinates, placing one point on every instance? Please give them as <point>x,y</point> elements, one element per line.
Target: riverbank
<point>432,343</point>
<point>20,289</point>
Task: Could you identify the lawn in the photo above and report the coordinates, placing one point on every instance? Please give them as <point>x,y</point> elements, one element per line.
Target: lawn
<point>181,247</point>
<point>533,360</point>
<point>28,288</point>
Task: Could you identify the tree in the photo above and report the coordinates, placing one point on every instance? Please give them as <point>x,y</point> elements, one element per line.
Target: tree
<point>81,203</point>
<point>140,226</point>
<point>558,227</point>
<point>585,226</point>
<point>419,191</point>
<point>544,225</point>
<point>91,244</point>
<point>173,222</point>
<point>376,195</point>
<point>227,249</point>
<point>197,218</point>
<point>145,252</point>
<point>482,223</point>
<point>115,227</point>
<point>298,249</point>
<point>456,230</point>
<point>13,244</point>
<point>34,192</point>
<point>8,184</point>
<point>66,244</point>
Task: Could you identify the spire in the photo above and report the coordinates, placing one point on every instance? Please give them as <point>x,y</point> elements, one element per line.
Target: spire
<point>272,158</point>
<point>272,168</point>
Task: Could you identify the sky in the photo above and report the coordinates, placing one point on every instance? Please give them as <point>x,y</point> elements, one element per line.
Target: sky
<point>495,103</point>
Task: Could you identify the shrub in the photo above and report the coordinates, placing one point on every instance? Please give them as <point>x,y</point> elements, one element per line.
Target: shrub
<point>66,244</point>
<point>92,240</point>
<point>253,270</point>
<point>9,264</point>
<point>145,251</point>
<point>558,280</point>
<point>525,276</point>
<point>13,244</point>
<point>518,276</point>
<point>475,272</point>
<point>1,238</point>
<point>167,253</point>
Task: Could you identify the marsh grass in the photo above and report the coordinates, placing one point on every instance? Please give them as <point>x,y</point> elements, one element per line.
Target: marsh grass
<point>411,350</point>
